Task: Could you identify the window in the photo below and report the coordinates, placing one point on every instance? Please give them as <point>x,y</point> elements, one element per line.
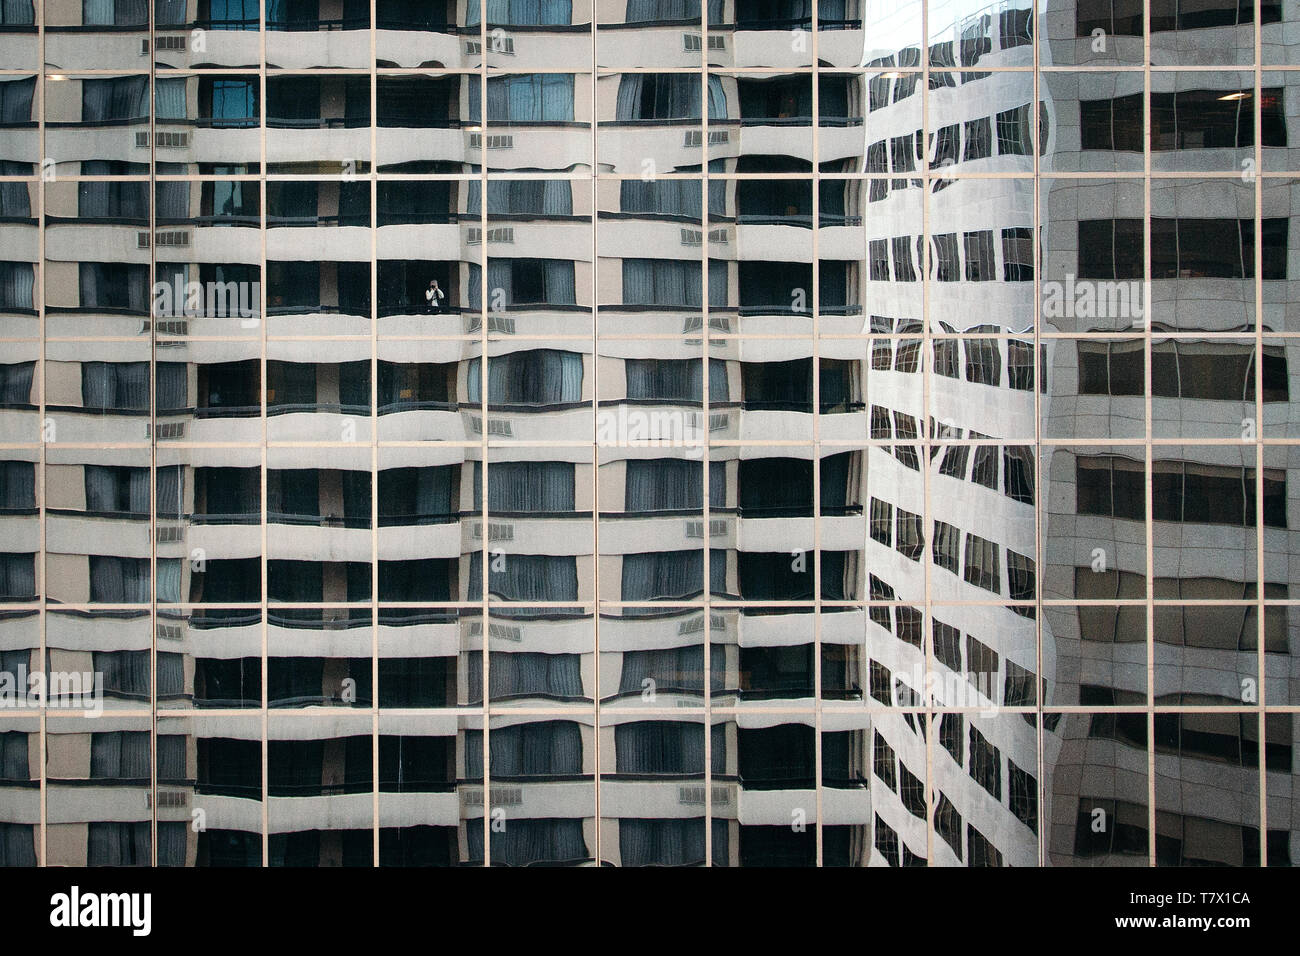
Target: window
<point>880,684</point>
<point>536,377</point>
<point>883,763</point>
<point>1018,472</point>
<point>947,542</point>
<point>1017,254</point>
<point>985,470</point>
<point>982,667</point>
<point>878,256</point>
<point>905,429</point>
<point>672,282</point>
<point>947,258</point>
<point>979,851</point>
<point>904,271</point>
<point>1015,28</point>
<point>1110,486</point>
<point>16,383</point>
<point>911,537</point>
<point>1209,119</point>
<point>659,747</point>
<point>983,359</point>
<point>947,823</point>
<point>955,460</point>
<point>525,98</point>
<point>1014,132</point>
<point>982,563</point>
<point>912,792</point>
<point>951,736</point>
<point>523,12</point>
<point>985,764</point>
<point>658,96</point>
<point>534,749</point>
<point>979,256</point>
<point>882,520</point>
<point>947,645</point>
<point>1020,689</point>
<point>886,841</point>
<point>1020,581</point>
<point>1112,124</point>
<point>1023,795</point>
<point>1020,365</point>
<point>525,282</point>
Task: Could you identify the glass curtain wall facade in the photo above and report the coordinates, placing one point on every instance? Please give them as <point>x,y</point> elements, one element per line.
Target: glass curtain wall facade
<point>648,432</point>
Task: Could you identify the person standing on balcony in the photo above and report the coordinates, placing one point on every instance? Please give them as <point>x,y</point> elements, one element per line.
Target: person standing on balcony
<point>434,296</point>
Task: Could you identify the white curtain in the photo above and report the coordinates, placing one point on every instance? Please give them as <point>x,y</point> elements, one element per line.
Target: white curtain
<point>15,762</point>
<point>17,577</point>
<point>17,12</point>
<point>667,484</point>
<point>523,487</point>
<point>125,672</point>
<point>115,580</point>
<point>118,844</point>
<point>526,577</point>
<point>169,580</point>
<point>172,200</point>
<point>16,383</point>
<point>536,377</point>
<point>17,281</point>
<point>169,98</point>
<point>662,842</point>
<point>526,674</point>
<point>120,755</point>
<point>17,844</point>
<point>17,485</point>
<point>659,747</point>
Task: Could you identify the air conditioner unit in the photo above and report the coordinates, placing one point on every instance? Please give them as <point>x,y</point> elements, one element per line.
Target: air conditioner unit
<point>172,140</point>
<point>494,141</point>
<point>167,431</point>
<point>172,327</point>
<point>692,137</point>
<point>717,42</point>
<point>691,42</point>
<point>473,47</point>
<point>718,235</point>
<point>173,238</point>
<point>473,235</point>
<point>171,799</point>
<point>501,44</point>
<point>172,42</point>
<point>171,534</point>
<point>144,46</point>
<point>142,240</point>
<point>506,632</point>
<point>500,796</point>
<point>142,138</point>
<point>501,234</point>
<point>501,323</point>
<point>500,427</point>
<point>692,237</point>
<point>170,632</point>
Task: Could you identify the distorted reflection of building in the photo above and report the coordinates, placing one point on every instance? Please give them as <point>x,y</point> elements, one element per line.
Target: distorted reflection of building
<point>487,436</point>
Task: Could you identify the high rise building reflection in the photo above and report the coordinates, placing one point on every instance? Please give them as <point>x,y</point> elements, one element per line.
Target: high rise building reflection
<point>646,433</point>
